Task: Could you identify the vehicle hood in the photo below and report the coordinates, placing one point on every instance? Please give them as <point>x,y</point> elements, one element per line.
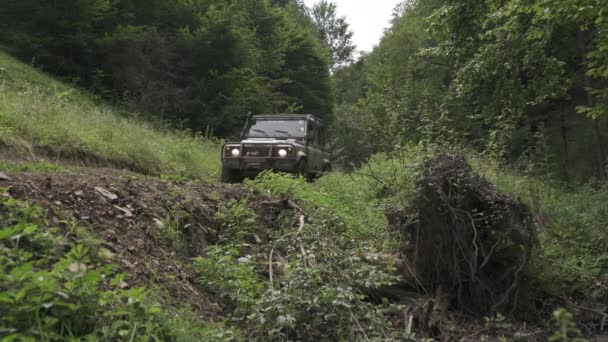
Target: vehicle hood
<point>271,141</point>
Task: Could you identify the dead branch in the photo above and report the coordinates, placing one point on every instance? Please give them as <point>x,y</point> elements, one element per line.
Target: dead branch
<point>270,266</point>
<point>301,243</point>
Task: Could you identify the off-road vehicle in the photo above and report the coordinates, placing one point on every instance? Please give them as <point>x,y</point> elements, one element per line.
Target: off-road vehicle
<point>290,143</point>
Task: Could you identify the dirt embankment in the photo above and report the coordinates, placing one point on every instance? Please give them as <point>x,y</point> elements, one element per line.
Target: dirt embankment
<point>134,216</point>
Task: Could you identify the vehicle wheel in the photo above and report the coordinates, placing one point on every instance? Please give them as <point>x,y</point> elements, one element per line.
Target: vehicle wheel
<point>302,169</point>
<point>231,176</point>
<point>326,168</point>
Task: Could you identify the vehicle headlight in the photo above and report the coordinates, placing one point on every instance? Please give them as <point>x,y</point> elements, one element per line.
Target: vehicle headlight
<point>283,151</point>
<point>235,152</point>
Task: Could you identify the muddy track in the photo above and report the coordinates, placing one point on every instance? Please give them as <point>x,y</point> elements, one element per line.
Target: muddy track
<point>127,212</point>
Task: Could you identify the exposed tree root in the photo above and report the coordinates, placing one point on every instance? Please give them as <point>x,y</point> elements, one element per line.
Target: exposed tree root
<point>469,244</point>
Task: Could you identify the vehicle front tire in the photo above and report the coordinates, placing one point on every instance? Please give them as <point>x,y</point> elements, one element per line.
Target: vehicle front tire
<point>326,168</point>
<point>302,168</point>
<point>231,175</point>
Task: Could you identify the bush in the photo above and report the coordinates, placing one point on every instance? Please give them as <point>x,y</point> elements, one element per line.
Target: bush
<point>232,277</point>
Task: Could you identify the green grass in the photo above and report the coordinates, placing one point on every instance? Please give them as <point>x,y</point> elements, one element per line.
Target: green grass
<point>362,198</point>
<point>572,224</point>
<point>39,166</point>
<point>39,114</point>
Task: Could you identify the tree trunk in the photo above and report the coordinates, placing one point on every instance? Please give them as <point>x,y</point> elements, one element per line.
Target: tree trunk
<point>597,136</point>
<point>564,132</point>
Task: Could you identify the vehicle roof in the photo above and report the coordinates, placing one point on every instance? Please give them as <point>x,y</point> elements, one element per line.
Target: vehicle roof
<point>286,116</point>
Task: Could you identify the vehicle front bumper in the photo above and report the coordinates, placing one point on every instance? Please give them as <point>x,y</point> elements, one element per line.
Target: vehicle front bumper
<point>251,166</point>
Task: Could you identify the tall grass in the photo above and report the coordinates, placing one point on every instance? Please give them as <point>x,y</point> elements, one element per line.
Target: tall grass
<point>38,114</point>
<point>573,226</point>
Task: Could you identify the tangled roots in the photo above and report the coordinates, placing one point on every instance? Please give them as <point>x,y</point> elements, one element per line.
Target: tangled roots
<point>469,240</point>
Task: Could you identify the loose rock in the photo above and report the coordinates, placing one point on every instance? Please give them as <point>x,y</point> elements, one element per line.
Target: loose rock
<point>109,195</point>
<point>127,212</point>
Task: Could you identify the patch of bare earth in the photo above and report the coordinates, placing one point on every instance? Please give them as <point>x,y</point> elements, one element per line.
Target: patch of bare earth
<point>128,213</point>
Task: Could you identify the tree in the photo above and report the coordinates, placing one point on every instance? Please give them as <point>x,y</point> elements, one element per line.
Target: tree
<point>506,77</point>
<point>334,32</point>
<point>199,64</point>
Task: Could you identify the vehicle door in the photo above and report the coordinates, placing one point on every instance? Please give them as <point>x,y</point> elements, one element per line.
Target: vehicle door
<point>324,156</point>
<point>315,153</point>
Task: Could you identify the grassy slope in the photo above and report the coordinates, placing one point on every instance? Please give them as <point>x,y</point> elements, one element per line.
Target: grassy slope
<point>38,114</point>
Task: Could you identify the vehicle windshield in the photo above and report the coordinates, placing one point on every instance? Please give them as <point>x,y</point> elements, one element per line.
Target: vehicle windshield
<point>272,128</point>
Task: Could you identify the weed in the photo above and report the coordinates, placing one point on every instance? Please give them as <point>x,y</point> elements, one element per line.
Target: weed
<point>309,281</point>
<point>239,221</point>
<point>567,330</point>
<point>170,229</point>
<point>233,277</point>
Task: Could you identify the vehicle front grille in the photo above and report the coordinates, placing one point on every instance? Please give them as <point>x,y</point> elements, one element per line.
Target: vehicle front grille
<point>255,150</point>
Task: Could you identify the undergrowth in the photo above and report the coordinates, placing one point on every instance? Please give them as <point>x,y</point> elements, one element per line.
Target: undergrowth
<point>572,223</point>
<point>308,276</point>
<point>57,284</point>
<point>41,115</point>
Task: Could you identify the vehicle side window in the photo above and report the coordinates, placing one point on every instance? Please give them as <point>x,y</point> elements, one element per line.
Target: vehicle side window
<point>321,133</point>
<point>313,133</point>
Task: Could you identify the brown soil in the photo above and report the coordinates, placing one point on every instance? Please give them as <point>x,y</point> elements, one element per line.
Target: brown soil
<point>126,212</point>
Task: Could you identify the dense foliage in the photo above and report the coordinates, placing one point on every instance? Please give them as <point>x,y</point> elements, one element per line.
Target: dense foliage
<point>523,80</point>
<point>199,64</point>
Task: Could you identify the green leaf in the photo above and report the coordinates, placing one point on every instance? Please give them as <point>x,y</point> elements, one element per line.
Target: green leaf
<point>30,229</point>
<point>8,232</point>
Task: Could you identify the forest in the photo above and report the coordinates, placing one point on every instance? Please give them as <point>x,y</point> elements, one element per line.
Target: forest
<point>200,65</point>
<point>468,199</point>
<point>523,81</point>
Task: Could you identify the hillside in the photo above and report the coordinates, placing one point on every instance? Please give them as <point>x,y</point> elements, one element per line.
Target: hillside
<point>113,228</point>
<point>41,117</point>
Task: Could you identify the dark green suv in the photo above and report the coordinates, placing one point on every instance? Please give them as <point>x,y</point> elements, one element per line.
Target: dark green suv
<point>290,143</point>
